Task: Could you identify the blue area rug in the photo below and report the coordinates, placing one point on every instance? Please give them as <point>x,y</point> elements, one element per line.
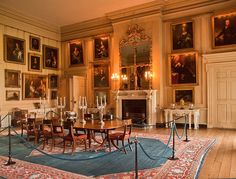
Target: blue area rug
<point>114,162</point>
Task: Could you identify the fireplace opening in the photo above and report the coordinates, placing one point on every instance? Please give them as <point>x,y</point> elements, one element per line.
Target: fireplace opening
<point>136,110</point>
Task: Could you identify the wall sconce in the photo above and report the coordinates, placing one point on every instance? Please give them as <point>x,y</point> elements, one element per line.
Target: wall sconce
<point>124,77</point>
<point>148,75</point>
<point>115,76</point>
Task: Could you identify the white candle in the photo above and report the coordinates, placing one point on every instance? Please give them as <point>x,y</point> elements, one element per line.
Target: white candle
<point>64,101</point>
<point>82,101</point>
<point>97,100</point>
<point>57,100</point>
<point>60,101</point>
<point>101,100</point>
<point>105,100</point>
<point>79,100</point>
<point>85,101</point>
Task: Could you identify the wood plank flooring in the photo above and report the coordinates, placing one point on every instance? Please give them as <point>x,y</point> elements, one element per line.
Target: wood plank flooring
<point>220,161</point>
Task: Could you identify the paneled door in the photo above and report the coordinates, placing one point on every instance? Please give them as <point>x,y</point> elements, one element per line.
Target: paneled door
<point>78,86</point>
<point>222,95</point>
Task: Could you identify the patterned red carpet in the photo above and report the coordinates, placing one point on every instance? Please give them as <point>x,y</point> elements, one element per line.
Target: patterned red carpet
<point>190,156</point>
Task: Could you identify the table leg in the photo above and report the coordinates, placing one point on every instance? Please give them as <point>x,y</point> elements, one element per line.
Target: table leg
<point>196,120</point>
<point>189,120</point>
<point>166,118</point>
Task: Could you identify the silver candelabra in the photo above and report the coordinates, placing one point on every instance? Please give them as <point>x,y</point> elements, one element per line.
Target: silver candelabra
<point>43,104</point>
<point>82,106</point>
<point>61,106</point>
<point>101,108</point>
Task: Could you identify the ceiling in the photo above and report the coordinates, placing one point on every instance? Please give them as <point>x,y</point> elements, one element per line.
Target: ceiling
<point>65,12</point>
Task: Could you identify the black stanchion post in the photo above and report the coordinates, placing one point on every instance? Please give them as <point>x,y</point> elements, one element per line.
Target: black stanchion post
<point>173,145</point>
<point>186,131</point>
<point>9,162</point>
<point>136,157</point>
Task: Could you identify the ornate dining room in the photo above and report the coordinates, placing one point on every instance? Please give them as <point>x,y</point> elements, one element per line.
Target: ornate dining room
<point>117,89</point>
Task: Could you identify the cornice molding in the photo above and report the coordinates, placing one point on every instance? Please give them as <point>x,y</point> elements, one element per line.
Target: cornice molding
<point>219,57</point>
<point>10,13</point>
<point>87,28</point>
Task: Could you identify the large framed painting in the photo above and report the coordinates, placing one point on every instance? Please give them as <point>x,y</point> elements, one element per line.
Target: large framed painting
<point>34,86</point>
<point>53,81</point>
<point>12,78</point>
<point>14,49</point>
<point>182,36</point>
<point>12,95</point>
<point>101,76</point>
<point>101,48</point>
<point>35,62</point>
<point>35,43</point>
<point>54,94</point>
<point>50,57</point>
<point>76,54</point>
<point>186,94</point>
<point>183,68</point>
<point>224,30</point>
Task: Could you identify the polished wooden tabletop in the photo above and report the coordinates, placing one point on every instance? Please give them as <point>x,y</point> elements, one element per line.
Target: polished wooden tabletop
<point>95,124</point>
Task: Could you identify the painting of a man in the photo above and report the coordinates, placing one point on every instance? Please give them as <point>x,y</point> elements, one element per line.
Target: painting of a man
<point>183,68</point>
<point>34,62</point>
<point>14,49</point>
<point>182,36</point>
<point>101,76</point>
<point>224,30</point>
<point>76,54</point>
<point>101,49</point>
<point>50,57</point>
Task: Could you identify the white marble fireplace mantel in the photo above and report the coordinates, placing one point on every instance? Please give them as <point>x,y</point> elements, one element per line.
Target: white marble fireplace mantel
<point>151,102</point>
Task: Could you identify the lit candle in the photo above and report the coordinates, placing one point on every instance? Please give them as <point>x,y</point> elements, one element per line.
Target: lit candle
<point>85,101</point>
<point>105,100</point>
<point>82,101</point>
<point>79,100</point>
<point>97,100</point>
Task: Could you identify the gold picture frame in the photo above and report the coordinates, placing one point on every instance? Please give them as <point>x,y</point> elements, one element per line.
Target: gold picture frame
<point>12,78</point>
<point>76,54</point>
<point>14,49</point>
<point>187,94</point>
<point>34,86</point>
<point>35,62</point>
<point>182,36</point>
<point>102,48</point>
<point>50,57</point>
<point>223,29</point>
<point>35,43</point>
<point>101,75</point>
<point>12,95</point>
<point>183,68</point>
<point>53,81</point>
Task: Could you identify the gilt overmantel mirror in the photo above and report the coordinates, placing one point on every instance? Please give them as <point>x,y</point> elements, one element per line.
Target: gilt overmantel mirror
<point>136,60</point>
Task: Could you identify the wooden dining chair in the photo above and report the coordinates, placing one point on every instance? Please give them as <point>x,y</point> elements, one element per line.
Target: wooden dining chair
<point>32,129</point>
<point>52,132</point>
<point>73,137</point>
<point>121,135</point>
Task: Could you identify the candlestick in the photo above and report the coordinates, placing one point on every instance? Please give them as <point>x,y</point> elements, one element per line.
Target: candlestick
<point>82,106</point>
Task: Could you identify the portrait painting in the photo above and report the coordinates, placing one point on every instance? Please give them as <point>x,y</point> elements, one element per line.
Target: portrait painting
<point>76,54</point>
<point>35,62</point>
<point>182,36</point>
<point>34,86</point>
<point>54,94</point>
<point>224,30</point>
<point>14,49</point>
<point>183,68</point>
<point>12,95</point>
<point>186,94</point>
<point>12,78</point>
<point>101,48</point>
<point>98,94</point>
<point>53,81</point>
<point>50,57</point>
<point>101,75</point>
<point>34,43</point>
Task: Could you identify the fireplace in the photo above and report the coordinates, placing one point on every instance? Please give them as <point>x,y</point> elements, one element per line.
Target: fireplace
<point>134,109</point>
<point>140,105</point>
